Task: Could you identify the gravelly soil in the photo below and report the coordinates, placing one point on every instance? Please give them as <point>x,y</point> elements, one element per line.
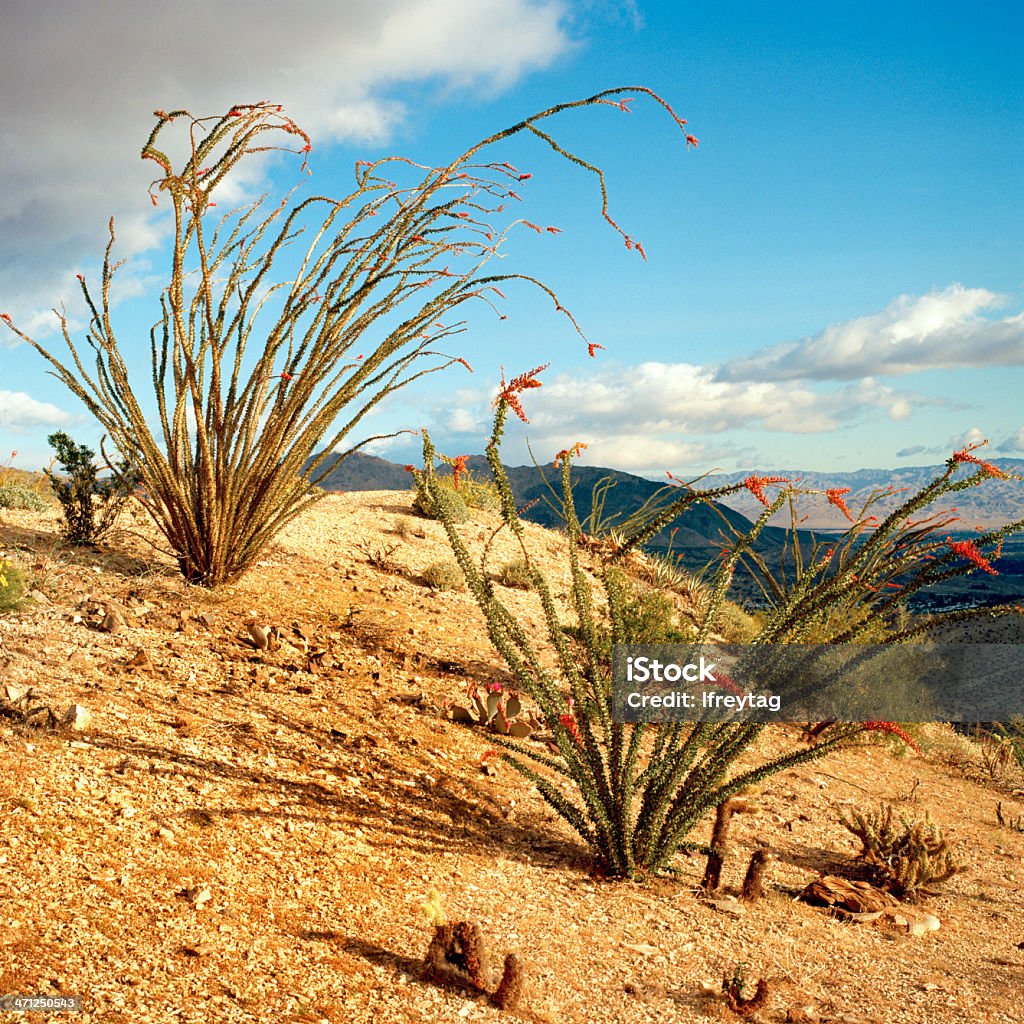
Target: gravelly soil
<point>241,835</point>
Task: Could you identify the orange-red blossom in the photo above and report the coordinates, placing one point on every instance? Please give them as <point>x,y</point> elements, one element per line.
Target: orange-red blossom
<point>893,728</point>
<point>459,467</point>
<point>570,453</point>
<point>756,485</point>
<point>509,393</point>
<point>968,550</point>
<point>964,455</point>
<point>835,497</point>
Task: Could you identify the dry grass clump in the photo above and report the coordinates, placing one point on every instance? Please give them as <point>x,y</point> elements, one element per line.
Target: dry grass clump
<point>515,574</point>
<point>444,576</point>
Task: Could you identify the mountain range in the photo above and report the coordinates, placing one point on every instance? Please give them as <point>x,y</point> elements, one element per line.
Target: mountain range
<point>997,502</point>
<point>698,535</point>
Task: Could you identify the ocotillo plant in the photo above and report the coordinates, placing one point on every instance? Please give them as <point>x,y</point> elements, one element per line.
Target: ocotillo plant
<point>250,376</point>
<point>643,788</point>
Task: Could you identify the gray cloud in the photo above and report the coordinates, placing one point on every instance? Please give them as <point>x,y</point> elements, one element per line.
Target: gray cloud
<point>80,82</point>
<point>940,330</point>
<point>906,453</point>
<point>1014,443</point>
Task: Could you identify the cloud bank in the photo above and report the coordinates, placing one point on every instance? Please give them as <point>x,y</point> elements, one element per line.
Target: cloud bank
<point>648,417</point>
<point>19,411</point>
<point>941,330</point>
<point>80,84</point>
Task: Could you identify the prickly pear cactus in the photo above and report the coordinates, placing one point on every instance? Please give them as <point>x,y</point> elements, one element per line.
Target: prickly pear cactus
<point>493,711</point>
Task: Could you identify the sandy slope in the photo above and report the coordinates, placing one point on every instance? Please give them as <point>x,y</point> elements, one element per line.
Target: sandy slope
<point>248,837</point>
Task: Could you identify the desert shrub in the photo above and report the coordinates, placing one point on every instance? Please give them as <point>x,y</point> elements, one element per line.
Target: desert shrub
<point>444,576</point>
<point>446,497</point>
<point>480,494</point>
<point>1013,733</point>
<point>21,497</point>
<point>380,555</point>
<point>250,375</point>
<point>12,585</point>
<point>90,506</point>
<point>406,528</point>
<point>905,855</point>
<point>637,791</point>
<point>736,624</point>
<point>515,574</point>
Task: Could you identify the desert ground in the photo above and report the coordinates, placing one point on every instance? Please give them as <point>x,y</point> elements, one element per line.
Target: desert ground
<point>236,834</point>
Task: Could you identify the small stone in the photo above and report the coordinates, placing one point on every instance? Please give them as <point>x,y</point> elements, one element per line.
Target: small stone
<point>199,949</point>
<point>642,948</point>
<point>197,896</point>
<point>77,717</point>
<point>140,662</point>
<point>113,621</point>
<point>926,923</point>
<point>729,905</point>
<point>39,597</point>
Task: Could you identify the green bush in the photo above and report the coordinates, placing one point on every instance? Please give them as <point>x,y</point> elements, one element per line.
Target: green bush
<point>437,497</point>
<point>12,586</point>
<point>637,791</point>
<point>444,576</point>
<point>90,506</point>
<point>21,497</point>
<point>515,574</point>
<point>447,498</point>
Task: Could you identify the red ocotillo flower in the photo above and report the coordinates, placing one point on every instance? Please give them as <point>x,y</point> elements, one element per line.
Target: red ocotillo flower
<point>895,730</point>
<point>968,550</point>
<point>756,484</point>
<point>509,393</point>
<point>592,348</point>
<point>459,467</point>
<point>835,497</point>
<point>964,455</point>
<point>569,721</point>
<point>570,453</point>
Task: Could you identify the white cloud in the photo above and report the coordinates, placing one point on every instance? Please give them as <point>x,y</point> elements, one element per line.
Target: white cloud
<point>941,330</point>
<point>80,85</point>
<point>19,411</point>
<point>1014,443</point>
<point>974,436</point>
<point>645,418</point>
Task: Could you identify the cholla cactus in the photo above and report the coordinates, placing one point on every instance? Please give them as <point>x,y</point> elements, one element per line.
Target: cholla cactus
<point>906,855</point>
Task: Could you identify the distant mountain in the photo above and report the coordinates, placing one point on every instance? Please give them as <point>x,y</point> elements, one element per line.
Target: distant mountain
<point>995,503</point>
<point>360,472</point>
<point>697,533</point>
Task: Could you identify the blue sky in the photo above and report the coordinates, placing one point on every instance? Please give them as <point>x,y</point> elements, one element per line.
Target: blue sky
<point>835,276</point>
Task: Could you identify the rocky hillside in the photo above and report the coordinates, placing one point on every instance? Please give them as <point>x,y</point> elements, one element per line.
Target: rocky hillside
<point>236,829</point>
